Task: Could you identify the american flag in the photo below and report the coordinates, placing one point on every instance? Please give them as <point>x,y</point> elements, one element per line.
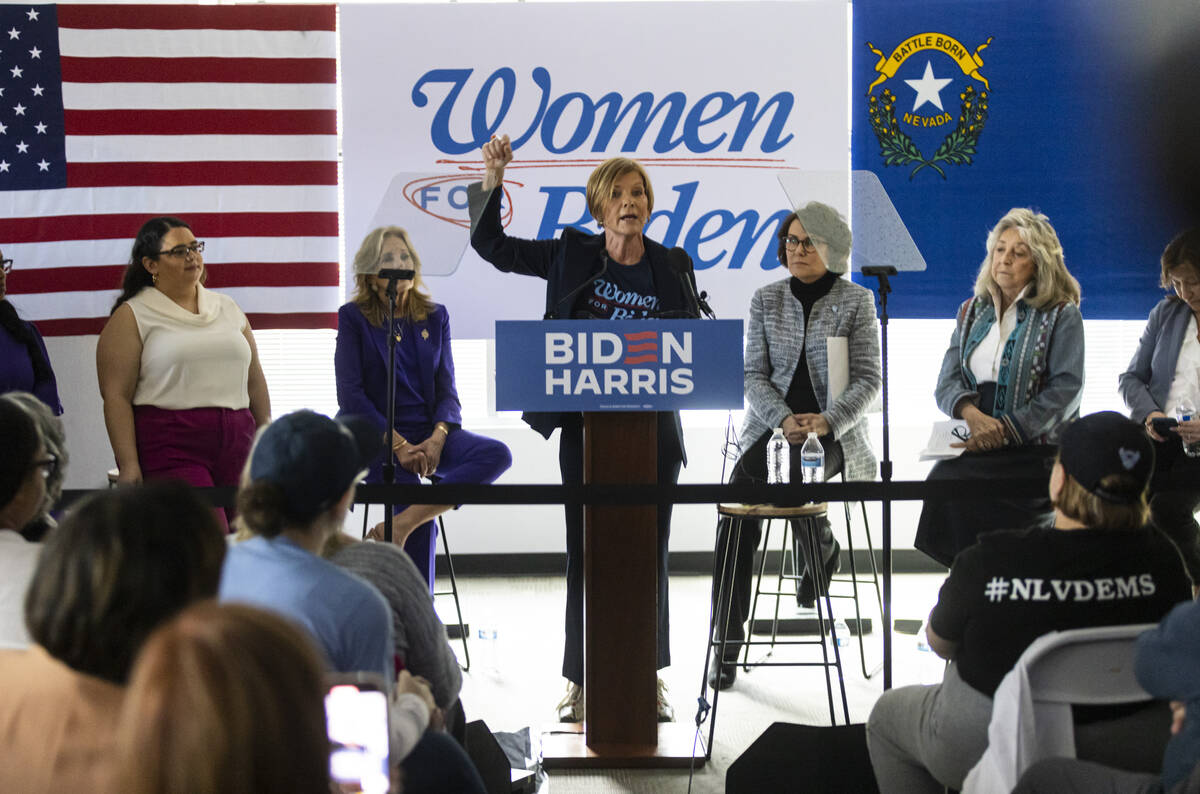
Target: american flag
<point>225,116</point>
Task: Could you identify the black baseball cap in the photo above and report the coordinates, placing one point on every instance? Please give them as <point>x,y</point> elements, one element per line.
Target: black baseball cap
<point>313,459</point>
<point>1105,443</point>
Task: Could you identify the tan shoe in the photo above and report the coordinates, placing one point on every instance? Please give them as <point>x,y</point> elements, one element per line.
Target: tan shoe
<point>570,708</point>
<point>665,712</point>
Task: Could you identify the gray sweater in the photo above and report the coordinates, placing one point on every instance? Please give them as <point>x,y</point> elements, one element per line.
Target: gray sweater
<point>420,636</point>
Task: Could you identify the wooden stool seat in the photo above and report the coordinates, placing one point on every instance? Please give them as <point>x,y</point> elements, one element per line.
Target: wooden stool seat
<point>811,510</point>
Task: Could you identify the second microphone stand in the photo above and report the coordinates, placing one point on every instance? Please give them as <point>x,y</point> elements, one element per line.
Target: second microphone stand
<point>389,458</point>
<point>885,470</point>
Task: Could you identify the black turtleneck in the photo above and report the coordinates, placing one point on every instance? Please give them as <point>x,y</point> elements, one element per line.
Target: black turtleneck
<point>801,398</point>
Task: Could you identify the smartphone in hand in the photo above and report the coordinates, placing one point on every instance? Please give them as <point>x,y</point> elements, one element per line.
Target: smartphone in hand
<point>1164,425</point>
<point>356,718</point>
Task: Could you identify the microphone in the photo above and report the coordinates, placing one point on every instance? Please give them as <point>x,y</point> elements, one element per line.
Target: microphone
<point>679,261</point>
<point>553,314</point>
<point>397,274</point>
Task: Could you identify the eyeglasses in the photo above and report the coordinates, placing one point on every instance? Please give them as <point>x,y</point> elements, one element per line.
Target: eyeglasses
<point>49,465</point>
<point>181,251</point>
<point>7,263</point>
<point>808,244</point>
<point>961,434</point>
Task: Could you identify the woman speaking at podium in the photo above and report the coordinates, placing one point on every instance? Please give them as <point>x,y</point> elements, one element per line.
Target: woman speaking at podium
<point>616,274</point>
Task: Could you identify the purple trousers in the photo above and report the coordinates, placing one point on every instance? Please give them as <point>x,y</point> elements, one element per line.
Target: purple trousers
<point>201,446</point>
<point>466,458</point>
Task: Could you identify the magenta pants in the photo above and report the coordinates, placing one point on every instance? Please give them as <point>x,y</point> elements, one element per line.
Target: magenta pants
<point>201,446</point>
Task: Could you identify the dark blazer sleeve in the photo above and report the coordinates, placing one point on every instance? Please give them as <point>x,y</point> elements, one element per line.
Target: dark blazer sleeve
<point>46,389</point>
<point>353,358</point>
<point>507,254</point>
<point>447,407</point>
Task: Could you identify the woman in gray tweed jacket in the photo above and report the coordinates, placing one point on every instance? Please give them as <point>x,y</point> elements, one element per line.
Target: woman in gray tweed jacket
<point>787,385</point>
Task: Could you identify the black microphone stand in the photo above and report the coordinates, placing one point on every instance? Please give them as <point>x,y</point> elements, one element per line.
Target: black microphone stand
<point>885,470</point>
<point>389,458</point>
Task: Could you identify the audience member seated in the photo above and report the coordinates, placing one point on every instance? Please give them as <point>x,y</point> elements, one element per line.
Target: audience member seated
<point>24,363</point>
<point>294,497</point>
<point>1163,376</point>
<point>1098,565</point>
<point>225,698</point>
<point>1014,374</point>
<point>421,646</point>
<point>119,564</point>
<point>51,428</point>
<point>24,468</point>
<point>1168,666</point>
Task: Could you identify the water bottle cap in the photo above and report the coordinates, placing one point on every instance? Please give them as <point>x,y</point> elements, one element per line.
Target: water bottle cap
<point>812,434</point>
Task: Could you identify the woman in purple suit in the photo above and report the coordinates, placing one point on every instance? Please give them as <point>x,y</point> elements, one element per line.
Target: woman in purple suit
<point>427,439</point>
<point>24,364</point>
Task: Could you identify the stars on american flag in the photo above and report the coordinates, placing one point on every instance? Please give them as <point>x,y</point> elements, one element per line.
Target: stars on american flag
<point>31,112</point>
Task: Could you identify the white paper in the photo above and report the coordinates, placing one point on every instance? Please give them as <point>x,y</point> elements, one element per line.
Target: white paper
<point>837,352</point>
<point>952,431</point>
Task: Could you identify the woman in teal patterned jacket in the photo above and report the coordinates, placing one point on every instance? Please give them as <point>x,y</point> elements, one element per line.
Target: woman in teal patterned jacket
<point>1014,373</point>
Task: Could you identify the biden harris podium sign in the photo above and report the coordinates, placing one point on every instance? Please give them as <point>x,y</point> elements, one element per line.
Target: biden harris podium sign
<point>618,365</point>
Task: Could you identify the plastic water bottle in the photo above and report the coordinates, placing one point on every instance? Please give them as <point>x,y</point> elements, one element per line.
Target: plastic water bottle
<point>488,636</point>
<point>842,631</point>
<point>1184,412</point>
<point>812,460</point>
<point>779,458</point>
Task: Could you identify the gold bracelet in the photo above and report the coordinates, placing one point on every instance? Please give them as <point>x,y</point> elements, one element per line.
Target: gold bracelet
<point>442,426</point>
<point>403,442</point>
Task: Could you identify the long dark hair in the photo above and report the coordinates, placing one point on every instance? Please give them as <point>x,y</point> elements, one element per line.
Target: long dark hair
<point>147,243</point>
<point>23,332</point>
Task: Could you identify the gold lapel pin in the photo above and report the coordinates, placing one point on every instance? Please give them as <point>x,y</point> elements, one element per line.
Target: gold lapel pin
<point>425,334</point>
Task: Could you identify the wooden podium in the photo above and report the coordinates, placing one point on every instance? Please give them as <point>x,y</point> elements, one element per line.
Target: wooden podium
<point>659,365</point>
<point>620,617</point>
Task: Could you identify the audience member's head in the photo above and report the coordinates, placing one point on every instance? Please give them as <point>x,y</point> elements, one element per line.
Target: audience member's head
<point>302,472</point>
<point>1104,466</point>
<point>224,699</point>
<point>51,428</point>
<point>118,565</point>
<point>24,466</point>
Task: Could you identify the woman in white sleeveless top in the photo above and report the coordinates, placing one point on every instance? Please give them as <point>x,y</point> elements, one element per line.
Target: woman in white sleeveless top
<point>179,373</point>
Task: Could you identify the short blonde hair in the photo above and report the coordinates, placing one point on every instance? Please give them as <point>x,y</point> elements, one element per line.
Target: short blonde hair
<point>1052,283</point>
<point>416,303</point>
<point>1075,501</point>
<point>600,184</point>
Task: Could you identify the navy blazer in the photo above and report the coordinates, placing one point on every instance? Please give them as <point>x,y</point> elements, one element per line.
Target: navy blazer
<point>360,365</point>
<point>1147,382</point>
<point>568,264</point>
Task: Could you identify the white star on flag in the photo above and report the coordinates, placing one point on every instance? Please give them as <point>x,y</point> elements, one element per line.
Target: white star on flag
<point>37,90</point>
<point>3,165</point>
<point>22,147</point>
<point>32,14</point>
<point>16,71</point>
<point>35,53</point>
<point>40,127</point>
<point>928,89</point>
<point>19,109</point>
<point>13,33</point>
<point>43,165</point>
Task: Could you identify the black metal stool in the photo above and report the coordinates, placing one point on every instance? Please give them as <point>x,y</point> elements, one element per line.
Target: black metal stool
<point>807,516</point>
<point>790,570</point>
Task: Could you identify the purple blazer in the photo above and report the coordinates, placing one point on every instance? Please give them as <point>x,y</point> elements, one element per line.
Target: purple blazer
<point>360,365</point>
